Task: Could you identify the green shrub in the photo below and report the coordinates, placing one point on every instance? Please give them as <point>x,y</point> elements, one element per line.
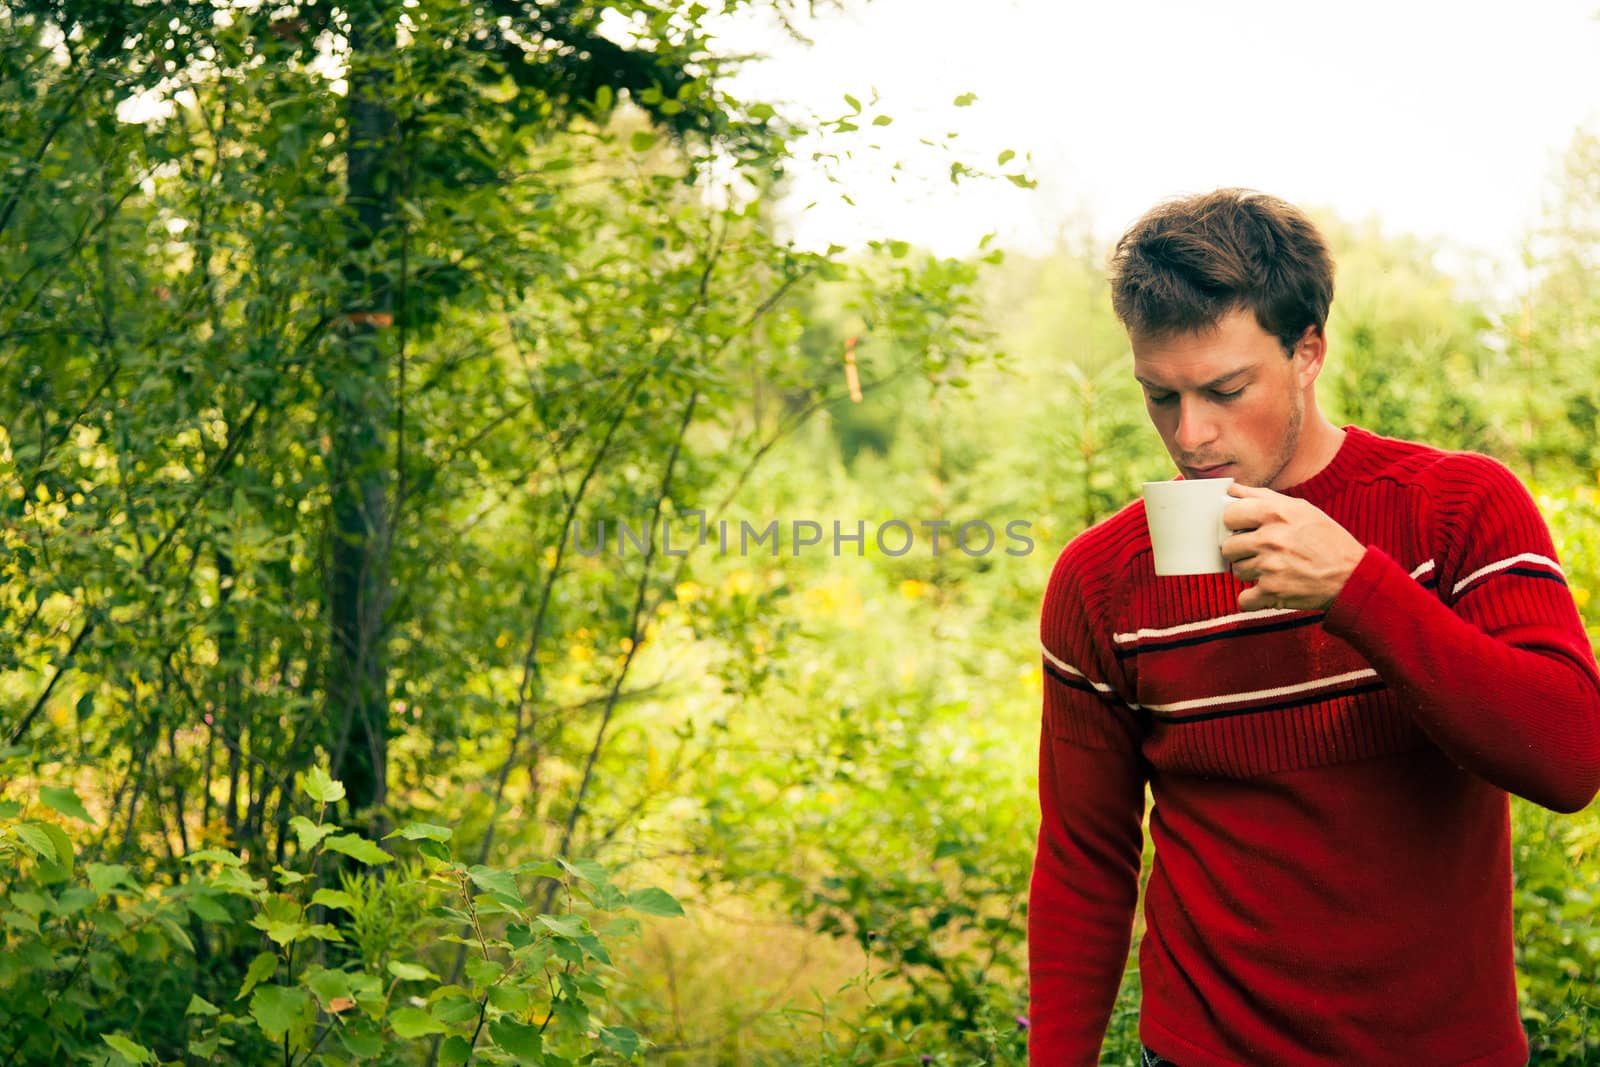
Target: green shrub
<point>405,956</point>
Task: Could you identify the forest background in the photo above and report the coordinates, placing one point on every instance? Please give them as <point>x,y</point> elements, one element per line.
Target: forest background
<point>330,730</point>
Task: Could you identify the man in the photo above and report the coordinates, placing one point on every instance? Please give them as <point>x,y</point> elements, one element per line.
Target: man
<point>1330,732</point>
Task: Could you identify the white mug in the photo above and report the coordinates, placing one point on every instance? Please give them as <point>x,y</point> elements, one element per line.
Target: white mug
<point>1186,530</point>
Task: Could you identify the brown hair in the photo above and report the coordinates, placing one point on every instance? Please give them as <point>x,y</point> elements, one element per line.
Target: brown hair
<point>1191,260</point>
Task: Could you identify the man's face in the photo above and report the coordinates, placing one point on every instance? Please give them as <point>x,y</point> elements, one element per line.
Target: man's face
<point>1228,402</point>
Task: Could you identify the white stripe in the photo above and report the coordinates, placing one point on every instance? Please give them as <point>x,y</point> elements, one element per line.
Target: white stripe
<point>1426,568</point>
<point>1262,694</point>
<point>1204,624</point>
<point>1526,557</point>
<point>1100,687</point>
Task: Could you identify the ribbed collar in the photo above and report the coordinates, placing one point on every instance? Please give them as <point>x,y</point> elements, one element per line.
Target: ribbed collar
<point>1355,451</point>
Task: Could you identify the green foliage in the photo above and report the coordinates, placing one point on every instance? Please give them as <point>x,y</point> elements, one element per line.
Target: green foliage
<point>533,985</point>
<point>1558,939</point>
<point>296,426</point>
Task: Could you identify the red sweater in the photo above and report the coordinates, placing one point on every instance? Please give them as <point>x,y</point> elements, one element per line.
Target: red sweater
<point>1332,875</point>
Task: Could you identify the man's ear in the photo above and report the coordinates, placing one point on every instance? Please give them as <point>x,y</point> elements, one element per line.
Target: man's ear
<point>1309,352</point>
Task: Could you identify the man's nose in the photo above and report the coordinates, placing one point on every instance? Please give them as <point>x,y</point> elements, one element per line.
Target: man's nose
<point>1196,429</point>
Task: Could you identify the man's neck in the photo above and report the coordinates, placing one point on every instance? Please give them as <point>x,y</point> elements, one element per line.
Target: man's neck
<point>1320,441</point>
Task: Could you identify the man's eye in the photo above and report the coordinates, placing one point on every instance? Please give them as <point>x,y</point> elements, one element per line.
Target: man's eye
<point>1228,396</point>
<point>1163,398</point>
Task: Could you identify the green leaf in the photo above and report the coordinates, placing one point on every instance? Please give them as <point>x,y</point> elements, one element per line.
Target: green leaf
<point>854,104</point>
<point>411,972</point>
<point>484,972</point>
<point>501,884</point>
<point>199,1005</point>
<point>208,907</point>
<point>328,985</point>
<point>603,99</point>
<point>280,931</point>
<point>324,932</point>
<point>414,1022</point>
<point>899,249</point>
<point>419,831</point>
<point>510,998</point>
<point>588,870</point>
<point>66,802</point>
<point>619,928</point>
<point>334,898</point>
<point>619,1039</point>
<point>62,843</point>
<point>1021,181</point>
<point>21,920</point>
<point>308,832</point>
<point>234,880</point>
<point>566,926</point>
<point>966,100</point>
<point>591,944</point>
<point>454,1052</point>
<point>608,897</point>
<point>287,877</point>
<point>1006,157</point>
<point>642,140</point>
<point>321,787</point>
<point>540,869</point>
<point>453,1005</point>
<point>74,900</point>
<point>34,836</point>
<point>104,877</point>
<point>214,855</point>
<point>261,968</point>
<point>882,120</point>
<point>363,1038</point>
<point>10,809</point>
<point>277,1008</point>
<point>654,901</point>
<point>519,1039</point>
<point>129,1050</point>
<point>357,847</point>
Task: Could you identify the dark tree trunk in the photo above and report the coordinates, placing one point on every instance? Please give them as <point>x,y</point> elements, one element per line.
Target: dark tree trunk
<point>358,407</point>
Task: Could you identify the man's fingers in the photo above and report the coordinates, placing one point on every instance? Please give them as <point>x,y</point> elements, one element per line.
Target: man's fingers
<point>1245,515</point>
<point>1239,546</point>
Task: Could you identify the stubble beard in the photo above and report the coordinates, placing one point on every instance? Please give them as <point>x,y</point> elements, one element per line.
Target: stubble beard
<point>1291,442</point>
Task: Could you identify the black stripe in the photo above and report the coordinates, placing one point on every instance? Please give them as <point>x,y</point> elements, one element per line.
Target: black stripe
<point>1067,679</point>
<point>1529,572</point>
<point>1329,694</point>
<point>1525,572</point>
<point>1218,635</point>
<point>1083,686</point>
<point>1431,581</point>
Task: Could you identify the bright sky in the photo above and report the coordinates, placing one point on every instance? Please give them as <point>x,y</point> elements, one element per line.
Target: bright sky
<point>1441,119</point>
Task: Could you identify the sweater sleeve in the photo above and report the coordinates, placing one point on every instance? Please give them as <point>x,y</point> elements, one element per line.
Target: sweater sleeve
<point>1497,667</point>
<point>1086,869</point>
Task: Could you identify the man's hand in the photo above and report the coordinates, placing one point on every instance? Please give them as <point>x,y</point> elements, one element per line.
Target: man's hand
<point>1298,557</point>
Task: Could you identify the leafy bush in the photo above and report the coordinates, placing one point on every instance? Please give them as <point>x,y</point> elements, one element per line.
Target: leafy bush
<point>99,967</point>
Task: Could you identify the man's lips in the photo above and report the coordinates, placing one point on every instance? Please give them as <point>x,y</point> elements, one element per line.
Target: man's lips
<point>1207,472</point>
